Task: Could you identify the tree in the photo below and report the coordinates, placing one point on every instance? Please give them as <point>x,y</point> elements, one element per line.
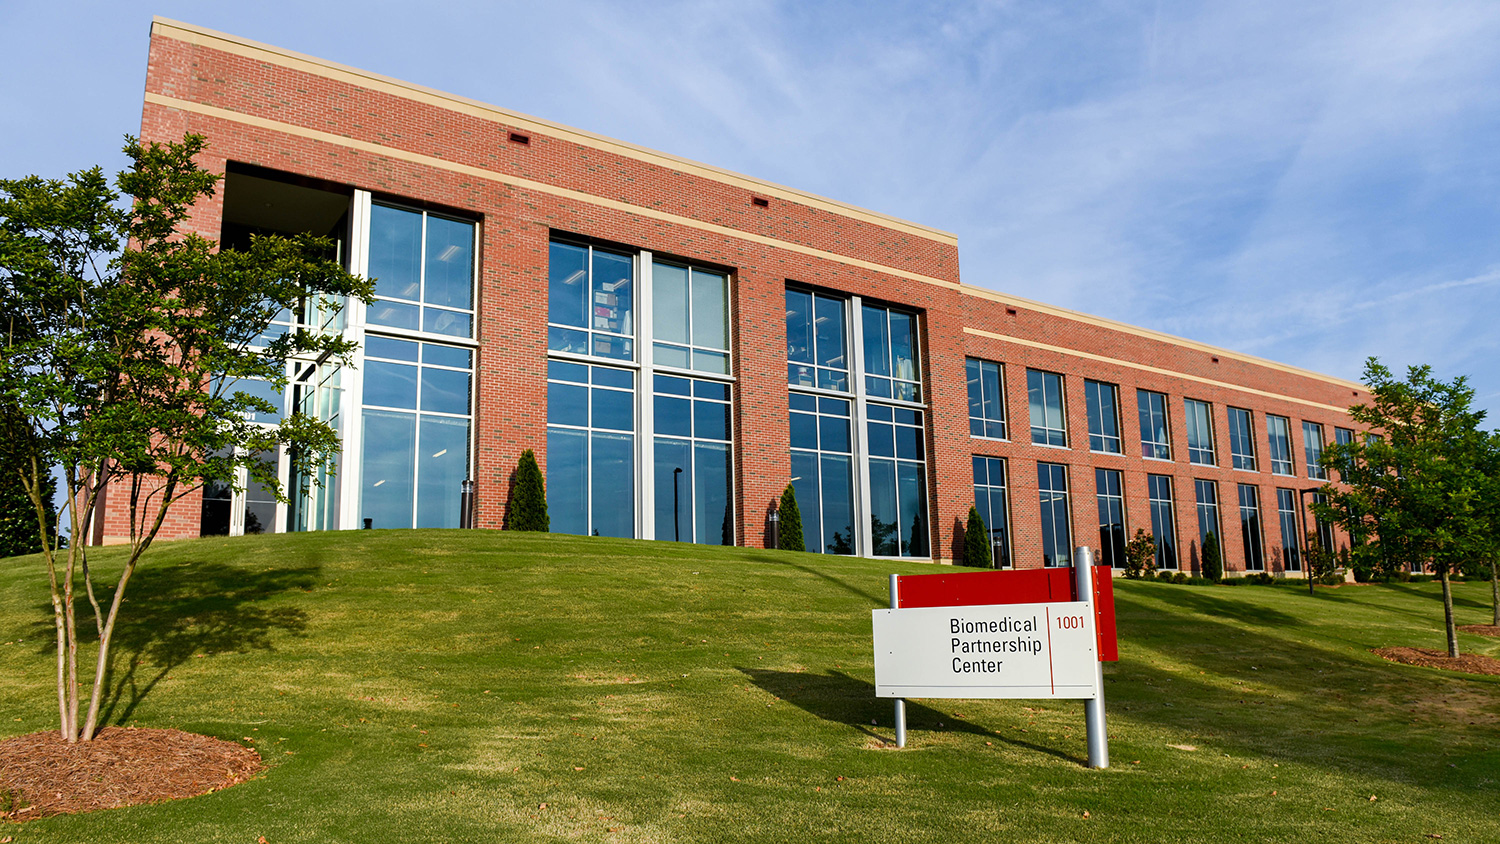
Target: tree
<point>18,518</point>
<point>126,345</point>
<point>1415,492</point>
<point>1212,562</point>
<point>1140,555</point>
<point>977,550</point>
<point>790,519</point>
<point>528,504</point>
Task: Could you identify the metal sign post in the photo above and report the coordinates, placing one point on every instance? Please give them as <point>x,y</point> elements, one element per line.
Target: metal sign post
<point>900,701</point>
<point>1093,708</point>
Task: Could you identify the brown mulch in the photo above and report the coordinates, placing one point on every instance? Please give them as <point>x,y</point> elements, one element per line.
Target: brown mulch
<point>1467,663</point>
<point>1481,629</point>
<point>120,767</point>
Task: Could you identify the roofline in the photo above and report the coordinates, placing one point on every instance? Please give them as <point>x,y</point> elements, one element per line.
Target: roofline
<point>322,67</point>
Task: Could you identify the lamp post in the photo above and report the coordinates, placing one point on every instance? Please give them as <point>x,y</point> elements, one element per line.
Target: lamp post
<point>676,521</point>
<point>466,505</point>
<point>1306,560</point>
<point>775,528</point>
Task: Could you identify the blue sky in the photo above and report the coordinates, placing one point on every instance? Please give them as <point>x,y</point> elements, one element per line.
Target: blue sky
<point>1312,183</point>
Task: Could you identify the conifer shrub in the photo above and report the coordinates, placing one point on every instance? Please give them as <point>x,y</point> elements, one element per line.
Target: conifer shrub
<point>977,552</point>
<point>1213,561</point>
<point>791,522</point>
<point>528,501</point>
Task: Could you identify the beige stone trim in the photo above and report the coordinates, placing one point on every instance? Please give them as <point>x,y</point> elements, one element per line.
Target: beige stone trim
<point>395,87</point>
<point>1157,370</point>
<point>1127,328</point>
<point>528,184</point>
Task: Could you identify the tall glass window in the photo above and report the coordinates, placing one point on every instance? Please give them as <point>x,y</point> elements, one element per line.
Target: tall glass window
<point>1104,416</point>
<point>1323,527</point>
<point>1057,535</point>
<point>1255,558</point>
<point>416,421</point>
<point>891,356</point>
<point>1279,434</point>
<point>898,482</point>
<point>1207,493</point>
<point>1241,439</point>
<point>694,480</point>
<point>1155,441</point>
<point>690,318</point>
<point>993,505</point>
<point>1044,394</point>
<point>1111,501</point>
<point>1200,432</point>
<point>1343,436</point>
<point>986,398</point>
<point>423,266</point>
<point>817,341</point>
<point>823,471</point>
<point>1163,520</point>
<point>1286,514</point>
<point>1312,444</point>
<point>590,301</point>
<point>590,449</point>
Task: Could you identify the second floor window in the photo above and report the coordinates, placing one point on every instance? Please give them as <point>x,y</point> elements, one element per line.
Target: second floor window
<point>1104,416</point>
<point>816,341</point>
<point>1312,443</point>
<point>1241,439</point>
<point>986,381</point>
<point>1049,425</point>
<point>1200,432</point>
<point>1155,442</point>
<point>1279,434</point>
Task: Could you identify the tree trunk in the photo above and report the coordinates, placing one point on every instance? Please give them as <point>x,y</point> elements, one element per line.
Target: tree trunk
<point>1448,615</point>
<point>1495,590</point>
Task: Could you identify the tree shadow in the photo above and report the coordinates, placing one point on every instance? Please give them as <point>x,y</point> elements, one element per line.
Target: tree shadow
<point>1436,595</point>
<point>843,699</point>
<point>1197,599</point>
<point>842,584</point>
<point>175,612</point>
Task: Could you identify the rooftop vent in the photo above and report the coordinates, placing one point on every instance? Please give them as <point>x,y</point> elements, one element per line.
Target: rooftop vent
<point>760,202</point>
<point>518,138</point>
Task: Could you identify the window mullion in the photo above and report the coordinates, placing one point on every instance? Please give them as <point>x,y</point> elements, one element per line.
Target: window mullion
<point>864,543</point>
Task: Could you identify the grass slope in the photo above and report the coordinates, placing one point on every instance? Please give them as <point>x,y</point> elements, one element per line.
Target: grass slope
<point>442,686</point>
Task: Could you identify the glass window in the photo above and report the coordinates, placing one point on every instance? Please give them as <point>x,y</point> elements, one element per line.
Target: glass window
<point>1312,444</point>
<point>416,422</point>
<point>823,471</point>
<point>1241,439</point>
<point>1111,501</point>
<point>590,301</point>
<point>890,346</point>
<point>1155,441</point>
<point>1286,514</point>
<point>1207,493</point>
<point>591,449</point>
<point>1322,527</point>
<point>1052,489</point>
<point>1343,436</point>
<point>993,504</point>
<point>1104,416</point>
<point>816,341</point>
<point>690,318</point>
<point>694,481</point>
<point>898,482</point>
<point>1200,432</point>
<point>1255,558</point>
<point>423,266</point>
<point>1044,394</point>
<point>1279,433</point>
<point>986,382</point>
<point>1163,520</point>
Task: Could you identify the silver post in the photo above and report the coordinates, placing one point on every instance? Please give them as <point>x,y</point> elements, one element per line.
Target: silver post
<point>900,702</point>
<point>1093,710</point>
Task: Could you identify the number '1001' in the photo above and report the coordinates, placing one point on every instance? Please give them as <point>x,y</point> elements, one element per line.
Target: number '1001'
<point>1070,622</point>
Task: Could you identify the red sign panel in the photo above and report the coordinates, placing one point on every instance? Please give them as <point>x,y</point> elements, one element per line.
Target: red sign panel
<point>1025,586</point>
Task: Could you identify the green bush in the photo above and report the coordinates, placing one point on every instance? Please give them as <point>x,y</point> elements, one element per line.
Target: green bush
<point>1140,555</point>
<point>977,551</point>
<point>1213,562</point>
<point>1179,577</point>
<point>528,501</point>
<point>790,518</point>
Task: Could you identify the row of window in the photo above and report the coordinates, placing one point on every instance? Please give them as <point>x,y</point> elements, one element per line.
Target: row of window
<point>1045,404</point>
<point>992,502</point>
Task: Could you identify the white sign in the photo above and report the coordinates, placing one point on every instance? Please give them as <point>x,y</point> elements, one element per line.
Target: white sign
<point>991,651</point>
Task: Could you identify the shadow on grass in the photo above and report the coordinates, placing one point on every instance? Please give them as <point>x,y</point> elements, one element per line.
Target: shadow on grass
<point>843,699</point>
<point>1197,599</point>
<point>174,612</point>
<point>1434,593</point>
<point>842,584</point>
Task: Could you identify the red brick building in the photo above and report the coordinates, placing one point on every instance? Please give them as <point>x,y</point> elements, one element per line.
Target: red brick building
<point>678,343</point>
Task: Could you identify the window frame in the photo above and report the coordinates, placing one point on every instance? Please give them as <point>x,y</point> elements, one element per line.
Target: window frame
<point>1047,433</point>
<point>1200,414</point>
<point>1101,441</point>
<point>1148,414</point>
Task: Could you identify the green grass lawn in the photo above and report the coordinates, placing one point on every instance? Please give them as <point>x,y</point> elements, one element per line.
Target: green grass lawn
<point>443,685</point>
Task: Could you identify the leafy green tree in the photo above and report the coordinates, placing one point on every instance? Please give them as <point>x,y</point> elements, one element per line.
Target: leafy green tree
<point>977,550</point>
<point>1213,561</point>
<point>18,516</point>
<point>1416,492</point>
<point>528,502</point>
<point>126,342</point>
<point>790,519</point>
<point>1140,555</point>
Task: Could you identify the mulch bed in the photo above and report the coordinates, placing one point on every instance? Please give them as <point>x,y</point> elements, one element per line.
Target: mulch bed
<point>1481,629</point>
<point>1467,663</point>
<point>120,767</point>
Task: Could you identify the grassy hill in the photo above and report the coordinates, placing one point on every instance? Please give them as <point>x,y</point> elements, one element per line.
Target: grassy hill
<point>443,685</point>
